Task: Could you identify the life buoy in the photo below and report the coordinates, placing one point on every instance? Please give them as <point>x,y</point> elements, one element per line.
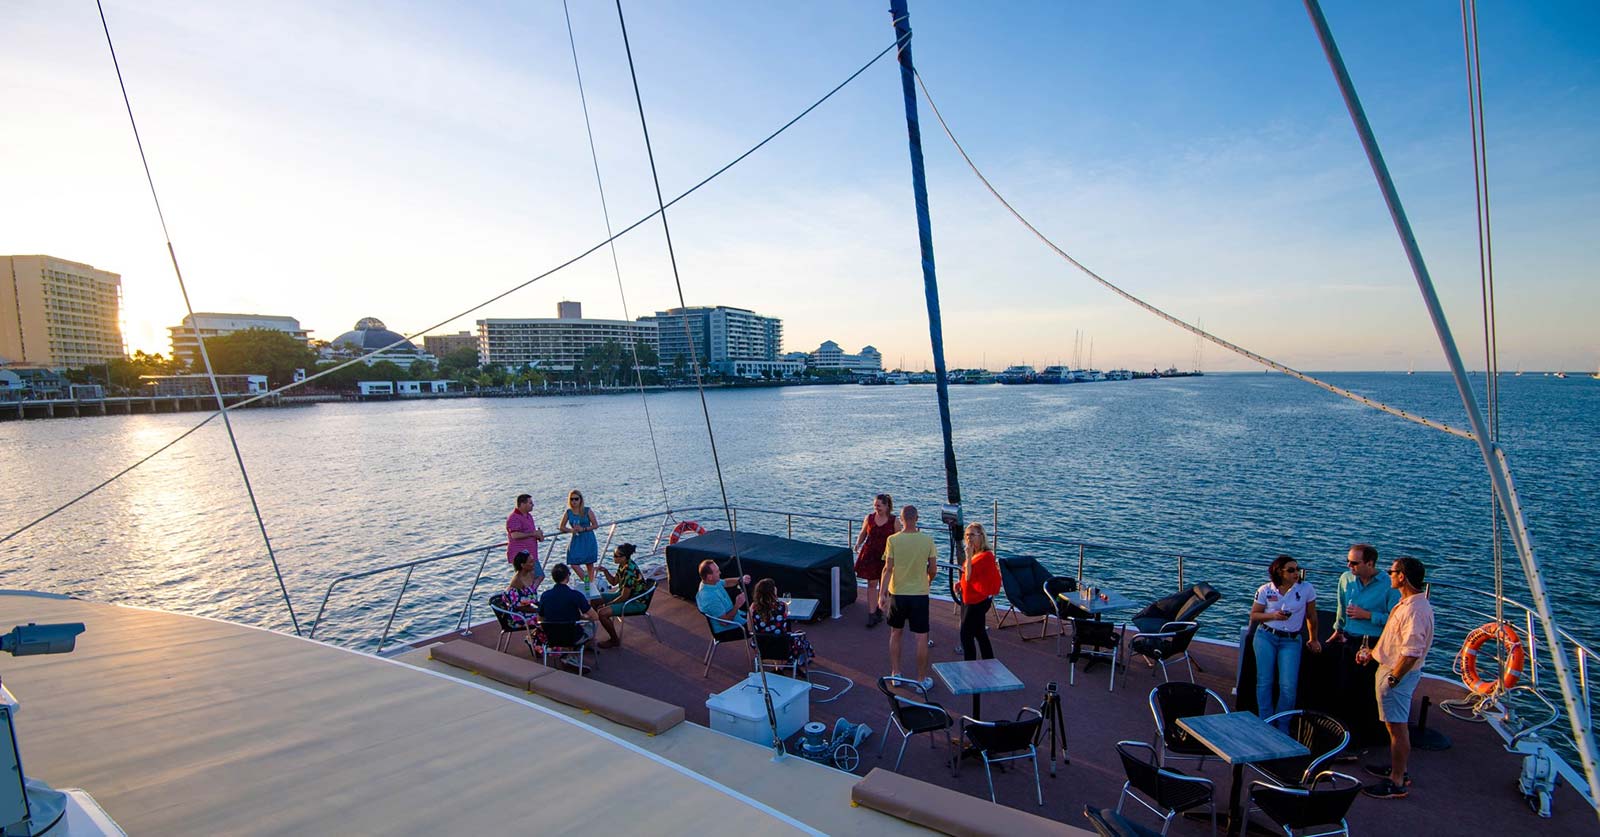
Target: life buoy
<point>687,526</point>
<point>1507,637</point>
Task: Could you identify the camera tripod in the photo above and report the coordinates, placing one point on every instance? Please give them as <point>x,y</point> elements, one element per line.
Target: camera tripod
<point>1057,726</point>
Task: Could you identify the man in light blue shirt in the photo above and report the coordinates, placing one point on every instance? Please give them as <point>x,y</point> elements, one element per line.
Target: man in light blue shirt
<point>1360,612</point>
<point>713,600</point>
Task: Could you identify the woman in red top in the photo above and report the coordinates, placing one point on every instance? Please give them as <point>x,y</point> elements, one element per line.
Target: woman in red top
<point>875,532</point>
<point>980,580</point>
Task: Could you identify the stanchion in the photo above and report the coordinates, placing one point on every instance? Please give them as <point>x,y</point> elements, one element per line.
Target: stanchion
<point>1423,738</point>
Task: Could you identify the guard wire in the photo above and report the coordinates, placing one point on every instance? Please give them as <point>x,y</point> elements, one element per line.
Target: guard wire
<point>194,324</point>
<point>616,266</point>
<point>1192,329</point>
<point>475,308</point>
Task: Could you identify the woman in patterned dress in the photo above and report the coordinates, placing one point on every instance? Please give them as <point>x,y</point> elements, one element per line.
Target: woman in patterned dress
<point>770,615</point>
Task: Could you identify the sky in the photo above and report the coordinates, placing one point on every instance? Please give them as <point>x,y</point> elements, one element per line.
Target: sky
<point>408,161</point>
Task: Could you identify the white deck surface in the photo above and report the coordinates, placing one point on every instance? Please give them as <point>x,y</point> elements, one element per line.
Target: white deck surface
<point>179,725</point>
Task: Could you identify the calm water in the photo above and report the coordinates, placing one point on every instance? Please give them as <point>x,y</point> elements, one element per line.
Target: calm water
<point>1228,466</point>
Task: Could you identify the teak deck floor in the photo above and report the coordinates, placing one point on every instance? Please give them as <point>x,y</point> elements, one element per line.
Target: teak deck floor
<point>1470,787</point>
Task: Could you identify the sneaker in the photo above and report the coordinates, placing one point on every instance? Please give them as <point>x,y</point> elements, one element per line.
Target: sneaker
<point>874,618</point>
<point>927,684</point>
<point>1382,772</point>
<point>1384,789</point>
<point>610,643</point>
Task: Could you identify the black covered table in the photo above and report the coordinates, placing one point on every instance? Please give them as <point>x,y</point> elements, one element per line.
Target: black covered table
<point>800,568</point>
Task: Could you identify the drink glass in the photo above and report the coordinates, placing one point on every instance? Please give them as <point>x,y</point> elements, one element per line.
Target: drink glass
<point>1364,653</point>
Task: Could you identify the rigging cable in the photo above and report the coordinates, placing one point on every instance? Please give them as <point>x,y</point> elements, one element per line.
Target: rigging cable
<point>1496,463</point>
<point>1491,348</point>
<point>616,266</point>
<point>474,308</point>
<point>699,380</point>
<point>194,324</point>
<point>1196,330</point>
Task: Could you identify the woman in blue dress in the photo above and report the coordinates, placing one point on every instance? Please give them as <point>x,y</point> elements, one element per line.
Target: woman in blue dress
<point>580,522</point>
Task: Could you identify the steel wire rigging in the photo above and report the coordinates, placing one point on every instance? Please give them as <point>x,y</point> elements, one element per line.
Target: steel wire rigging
<point>1180,323</point>
<point>194,324</point>
<point>471,310</point>
<point>616,266</point>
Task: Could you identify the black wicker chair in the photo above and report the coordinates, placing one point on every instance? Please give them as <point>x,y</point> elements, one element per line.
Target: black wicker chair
<point>565,640</point>
<point>722,630</point>
<point>1094,640</point>
<point>1002,741</point>
<point>1165,793</point>
<point>512,622</point>
<point>1322,734</point>
<point>911,717</point>
<point>1109,823</point>
<point>1322,803</point>
<point>1168,645</point>
<point>1171,701</point>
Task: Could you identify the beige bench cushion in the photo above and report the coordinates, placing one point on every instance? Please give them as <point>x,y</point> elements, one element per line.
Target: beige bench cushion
<point>607,701</point>
<point>949,811</point>
<point>512,671</point>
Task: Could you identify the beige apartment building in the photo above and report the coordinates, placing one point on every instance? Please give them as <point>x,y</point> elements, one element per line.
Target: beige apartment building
<point>58,313</point>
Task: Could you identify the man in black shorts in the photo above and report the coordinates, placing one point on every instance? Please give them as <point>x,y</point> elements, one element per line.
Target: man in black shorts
<point>910,561</point>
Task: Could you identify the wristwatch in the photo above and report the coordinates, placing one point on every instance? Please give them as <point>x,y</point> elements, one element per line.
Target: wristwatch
<point>1393,680</point>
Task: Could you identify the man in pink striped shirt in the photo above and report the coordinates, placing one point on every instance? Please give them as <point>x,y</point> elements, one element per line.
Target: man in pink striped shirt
<point>1400,653</point>
<point>522,534</point>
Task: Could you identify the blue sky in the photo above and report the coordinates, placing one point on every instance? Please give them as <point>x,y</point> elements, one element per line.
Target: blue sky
<point>335,161</point>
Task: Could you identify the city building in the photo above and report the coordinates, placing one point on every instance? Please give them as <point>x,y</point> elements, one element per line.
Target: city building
<point>370,334</point>
<point>721,337</point>
<point>211,324</point>
<point>830,356</point>
<point>403,389</point>
<point>59,314</point>
<point>556,344</point>
<point>440,345</point>
<point>201,384</point>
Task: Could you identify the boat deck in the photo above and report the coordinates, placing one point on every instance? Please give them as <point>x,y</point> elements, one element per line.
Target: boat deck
<point>182,725</point>
<point>1470,786</point>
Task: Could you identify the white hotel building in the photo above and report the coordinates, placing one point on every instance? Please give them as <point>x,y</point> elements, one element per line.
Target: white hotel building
<point>186,349</point>
<point>556,344</point>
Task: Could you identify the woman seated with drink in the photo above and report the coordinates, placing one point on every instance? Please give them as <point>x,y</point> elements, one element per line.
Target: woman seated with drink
<point>770,615</point>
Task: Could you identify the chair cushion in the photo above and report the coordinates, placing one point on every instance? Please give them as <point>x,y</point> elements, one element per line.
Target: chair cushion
<point>948,811</point>
<point>512,671</point>
<point>627,708</point>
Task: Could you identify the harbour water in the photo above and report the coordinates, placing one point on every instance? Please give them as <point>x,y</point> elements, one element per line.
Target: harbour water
<point>1240,467</point>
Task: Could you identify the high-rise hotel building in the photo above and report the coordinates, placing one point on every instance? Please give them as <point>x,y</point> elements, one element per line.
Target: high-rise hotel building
<point>721,337</point>
<point>58,313</point>
<point>555,343</point>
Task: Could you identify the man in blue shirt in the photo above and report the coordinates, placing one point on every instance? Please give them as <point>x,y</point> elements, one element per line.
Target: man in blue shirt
<point>713,600</point>
<point>1361,609</point>
<point>563,604</point>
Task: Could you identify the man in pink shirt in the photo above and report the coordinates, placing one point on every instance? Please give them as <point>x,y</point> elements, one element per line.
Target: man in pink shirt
<point>523,535</point>
<point>1400,652</point>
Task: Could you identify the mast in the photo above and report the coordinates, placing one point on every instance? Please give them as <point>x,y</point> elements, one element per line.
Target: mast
<point>1494,456</point>
<point>930,283</point>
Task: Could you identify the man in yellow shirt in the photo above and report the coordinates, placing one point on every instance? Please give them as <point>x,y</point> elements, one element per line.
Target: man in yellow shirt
<point>910,561</point>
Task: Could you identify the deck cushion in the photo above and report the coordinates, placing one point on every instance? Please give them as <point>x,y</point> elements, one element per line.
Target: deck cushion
<point>946,810</point>
<point>512,671</point>
<point>627,708</point>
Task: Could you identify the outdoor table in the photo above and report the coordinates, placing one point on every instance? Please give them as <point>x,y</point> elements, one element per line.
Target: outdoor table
<point>1240,738</point>
<point>1097,606</point>
<point>594,590</point>
<point>976,677</point>
<point>801,610</point>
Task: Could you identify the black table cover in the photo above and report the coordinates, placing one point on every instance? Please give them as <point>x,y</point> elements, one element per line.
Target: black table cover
<point>800,568</point>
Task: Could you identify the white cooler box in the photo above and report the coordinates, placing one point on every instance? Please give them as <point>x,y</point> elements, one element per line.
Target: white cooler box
<point>741,710</point>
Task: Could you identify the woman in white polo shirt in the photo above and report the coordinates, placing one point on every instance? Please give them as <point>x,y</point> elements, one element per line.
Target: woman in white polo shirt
<point>1284,607</point>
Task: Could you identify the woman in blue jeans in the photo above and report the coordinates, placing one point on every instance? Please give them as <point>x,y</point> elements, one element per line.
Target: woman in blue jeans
<point>1284,607</point>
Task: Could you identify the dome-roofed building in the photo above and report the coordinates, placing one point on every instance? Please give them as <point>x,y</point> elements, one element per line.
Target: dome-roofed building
<point>370,334</point>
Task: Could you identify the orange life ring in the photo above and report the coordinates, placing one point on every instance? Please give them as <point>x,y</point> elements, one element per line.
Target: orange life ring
<point>1506,636</point>
<point>686,527</point>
